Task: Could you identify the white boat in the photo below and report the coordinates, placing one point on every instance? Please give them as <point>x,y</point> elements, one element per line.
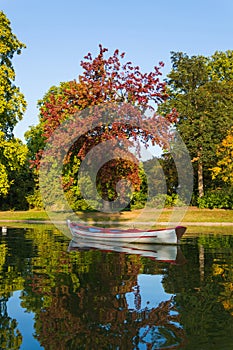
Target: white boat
<point>158,236</point>
<point>160,252</point>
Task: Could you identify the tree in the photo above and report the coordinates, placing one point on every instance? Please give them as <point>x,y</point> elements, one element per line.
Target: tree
<point>12,157</point>
<point>12,106</point>
<point>12,102</point>
<point>202,96</point>
<point>120,90</point>
<point>220,66</point>
<point>224,168</point>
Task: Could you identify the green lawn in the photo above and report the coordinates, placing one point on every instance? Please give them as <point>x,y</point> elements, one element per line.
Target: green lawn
<point>192,215</point>
<point>23,215</point>
<point>204,215</point>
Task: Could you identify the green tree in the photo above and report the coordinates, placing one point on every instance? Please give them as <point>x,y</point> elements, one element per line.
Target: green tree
<point>16,177</point>
<point>35,143</point>
<point>12,102</point>
<point>13,155</point>
<point>12,106</point>
<point>221,66</point>
<point>201,93</point>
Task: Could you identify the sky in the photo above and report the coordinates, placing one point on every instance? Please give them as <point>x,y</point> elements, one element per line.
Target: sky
<point>58,34</point>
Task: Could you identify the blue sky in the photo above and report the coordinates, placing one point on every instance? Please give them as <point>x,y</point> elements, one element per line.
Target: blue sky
<point>59,33</point>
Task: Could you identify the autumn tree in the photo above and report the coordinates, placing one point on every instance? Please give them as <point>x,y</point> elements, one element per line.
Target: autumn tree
<point>200,90</point>
<point>118,89</point>
<point>224,167</point>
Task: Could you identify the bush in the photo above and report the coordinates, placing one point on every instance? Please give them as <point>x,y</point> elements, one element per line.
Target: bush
<point>138,201</point>
<point>221,199</point>
<point>166,201</point>
<point>34,200</point>
<point>82,205</point>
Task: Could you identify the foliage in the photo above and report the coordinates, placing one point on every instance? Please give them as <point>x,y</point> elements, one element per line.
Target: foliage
<point>224,168</point>
<point>22,184</point>
<point>139,197</point>
<point>222,199</point>
<point>13,155</point>
<point>12,102</point>
<point>200,90</point>
<point>35,141</point>
<point>220,66</point>
<point>105,81</point>
<point>161,174</point>
<point>166,201</point>
<point>34,200</point>
<point>159,177</point>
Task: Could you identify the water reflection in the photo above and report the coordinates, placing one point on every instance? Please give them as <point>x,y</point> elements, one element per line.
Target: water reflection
<point>159,252</point>
<point>83,297</point>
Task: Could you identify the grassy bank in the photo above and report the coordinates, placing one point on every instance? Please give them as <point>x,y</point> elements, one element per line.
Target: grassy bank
<point>192,215</point>
<point>30,215</point>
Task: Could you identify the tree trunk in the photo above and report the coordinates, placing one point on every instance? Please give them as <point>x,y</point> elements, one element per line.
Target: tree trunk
<point>200,179</point>
<point>107,206</point>
<point>200,176</point>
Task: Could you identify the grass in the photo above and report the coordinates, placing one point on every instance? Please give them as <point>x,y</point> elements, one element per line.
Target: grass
<point>192,218</point>
<point>193,231</point>
<point>192,215</point>
<point>30,215</point>
<point>204,215</point>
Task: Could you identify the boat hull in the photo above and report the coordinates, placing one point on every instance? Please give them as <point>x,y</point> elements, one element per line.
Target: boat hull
<point>161,236</point>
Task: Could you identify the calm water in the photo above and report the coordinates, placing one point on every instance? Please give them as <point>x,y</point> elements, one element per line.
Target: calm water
<point>54,295</point>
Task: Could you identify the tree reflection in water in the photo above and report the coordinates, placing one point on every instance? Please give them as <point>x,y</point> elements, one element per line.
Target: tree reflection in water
<point>93,313</point>
<point>10,336</point>
<point>96,300</point>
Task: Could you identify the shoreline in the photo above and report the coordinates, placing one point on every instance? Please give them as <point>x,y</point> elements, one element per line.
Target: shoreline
<point>125,223</point>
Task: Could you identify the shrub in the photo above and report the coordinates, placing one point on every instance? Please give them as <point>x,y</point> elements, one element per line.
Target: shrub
<point>34,200</point>
<point>166,201</point>
<point>221,199</point>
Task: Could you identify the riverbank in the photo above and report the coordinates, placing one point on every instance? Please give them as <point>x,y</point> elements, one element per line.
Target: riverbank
<point>192,216</point>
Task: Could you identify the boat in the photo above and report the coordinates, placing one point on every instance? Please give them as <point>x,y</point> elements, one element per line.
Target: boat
<point>162,253</point>
<point>158,236</point>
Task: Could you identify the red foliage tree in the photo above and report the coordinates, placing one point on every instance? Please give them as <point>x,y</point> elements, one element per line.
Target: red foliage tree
<point>125,94</point>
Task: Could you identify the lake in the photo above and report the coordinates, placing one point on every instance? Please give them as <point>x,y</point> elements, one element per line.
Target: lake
<point>56,294</point>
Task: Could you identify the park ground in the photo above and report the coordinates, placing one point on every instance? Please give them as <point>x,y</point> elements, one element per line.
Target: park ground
<point>196,219</point>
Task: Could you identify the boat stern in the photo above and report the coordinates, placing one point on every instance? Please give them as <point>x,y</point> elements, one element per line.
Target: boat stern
<point>180,230</point>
